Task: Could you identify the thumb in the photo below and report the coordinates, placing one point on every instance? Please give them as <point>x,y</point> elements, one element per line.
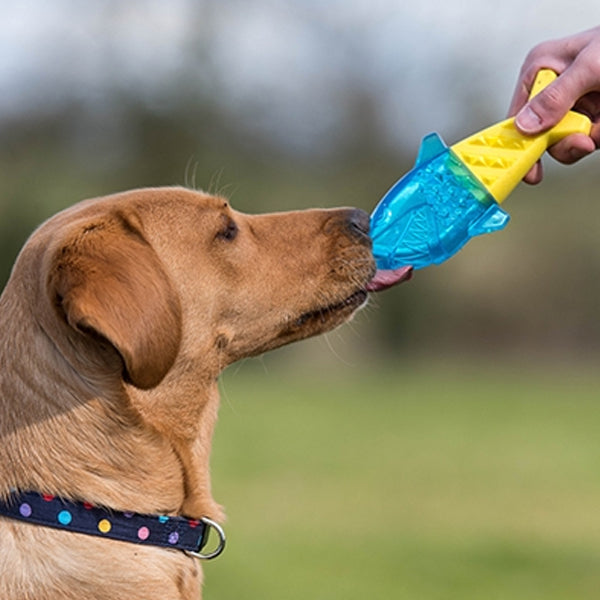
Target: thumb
<point>548,107</point>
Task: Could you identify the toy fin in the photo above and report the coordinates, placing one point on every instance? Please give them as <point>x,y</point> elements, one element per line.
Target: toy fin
<point>431,147</point>
<point>494,219</point>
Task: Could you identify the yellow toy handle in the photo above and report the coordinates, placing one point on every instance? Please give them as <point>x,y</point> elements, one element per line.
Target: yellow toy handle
<point>500,156</point>
<point>543,79</point>
<point>572,122</point>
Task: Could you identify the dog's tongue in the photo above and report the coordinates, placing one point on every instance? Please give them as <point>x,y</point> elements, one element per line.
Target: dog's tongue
<point>385,279</point>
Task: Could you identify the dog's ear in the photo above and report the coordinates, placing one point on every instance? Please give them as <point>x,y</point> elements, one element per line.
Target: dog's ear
<point>109,283</point>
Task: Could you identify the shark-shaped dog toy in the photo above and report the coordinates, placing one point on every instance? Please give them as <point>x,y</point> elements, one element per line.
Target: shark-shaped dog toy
<point>453,194</point>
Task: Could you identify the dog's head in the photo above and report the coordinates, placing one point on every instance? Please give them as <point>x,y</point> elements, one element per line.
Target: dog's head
<point>155,276</point>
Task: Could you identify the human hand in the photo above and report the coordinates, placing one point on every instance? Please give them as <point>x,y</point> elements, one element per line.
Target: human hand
<point>577,61</point>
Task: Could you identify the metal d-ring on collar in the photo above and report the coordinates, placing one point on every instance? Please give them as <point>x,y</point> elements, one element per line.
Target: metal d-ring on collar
<point>210,524</point>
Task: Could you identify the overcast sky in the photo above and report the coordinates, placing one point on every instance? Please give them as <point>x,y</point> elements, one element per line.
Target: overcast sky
<point>274,54</point>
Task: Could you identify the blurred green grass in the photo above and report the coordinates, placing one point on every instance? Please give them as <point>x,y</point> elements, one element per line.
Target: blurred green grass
<point>431,482</point>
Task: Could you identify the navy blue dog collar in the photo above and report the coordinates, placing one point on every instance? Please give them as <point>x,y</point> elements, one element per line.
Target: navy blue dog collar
<point>178,533</point>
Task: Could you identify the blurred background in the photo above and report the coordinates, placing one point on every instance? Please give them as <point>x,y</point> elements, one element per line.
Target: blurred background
<point>295,104</point>
<point>467,396</point>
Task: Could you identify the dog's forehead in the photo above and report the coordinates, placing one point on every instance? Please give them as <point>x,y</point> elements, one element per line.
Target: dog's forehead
<point>182,210</point>
<point>153,211</point>
<point>167,196</point>
<point>162,207</point>
<point>170,200</point>
<point>173,211</point>
<point>157,200</point>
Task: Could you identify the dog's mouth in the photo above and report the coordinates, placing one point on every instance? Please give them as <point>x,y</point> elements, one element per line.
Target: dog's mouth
<point>324,314</point>
<point>382,280</point>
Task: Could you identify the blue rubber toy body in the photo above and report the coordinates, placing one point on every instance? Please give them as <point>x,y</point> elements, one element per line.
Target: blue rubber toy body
<point>433,211</point>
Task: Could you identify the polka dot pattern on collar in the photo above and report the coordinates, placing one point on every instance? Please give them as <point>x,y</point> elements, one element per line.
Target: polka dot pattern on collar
<point>82,517</point>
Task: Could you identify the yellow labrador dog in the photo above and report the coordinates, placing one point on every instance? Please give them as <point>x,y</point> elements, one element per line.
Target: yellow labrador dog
<point>118,318</point>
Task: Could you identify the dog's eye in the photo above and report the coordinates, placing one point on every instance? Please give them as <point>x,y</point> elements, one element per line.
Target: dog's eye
<point>229,231</point>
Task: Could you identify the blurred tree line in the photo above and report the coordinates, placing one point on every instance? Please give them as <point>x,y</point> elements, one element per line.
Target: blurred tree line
<point>532,287</point>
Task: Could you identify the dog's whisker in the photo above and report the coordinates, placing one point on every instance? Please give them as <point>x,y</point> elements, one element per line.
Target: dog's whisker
<point>189,181</point>
<point>338,356</point>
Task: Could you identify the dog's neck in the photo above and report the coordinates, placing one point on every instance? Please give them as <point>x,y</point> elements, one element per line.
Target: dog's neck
<point>186,415</point>
<point>143,456</point>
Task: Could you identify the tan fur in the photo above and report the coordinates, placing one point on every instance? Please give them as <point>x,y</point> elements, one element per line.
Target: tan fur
<point>118,317</point>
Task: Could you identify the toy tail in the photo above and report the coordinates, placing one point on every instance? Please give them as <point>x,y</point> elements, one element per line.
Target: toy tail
<point>500,156</point>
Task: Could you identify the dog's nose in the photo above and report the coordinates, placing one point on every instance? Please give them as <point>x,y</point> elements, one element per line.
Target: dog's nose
<point>358,222</point>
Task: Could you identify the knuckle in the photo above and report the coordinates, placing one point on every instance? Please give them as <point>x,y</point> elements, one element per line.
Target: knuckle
<point>551,100</point>
<point>539,54</point>
<point>594,64</point>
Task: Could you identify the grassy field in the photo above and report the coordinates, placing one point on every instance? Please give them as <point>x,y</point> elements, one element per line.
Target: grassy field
<point>427,483</point>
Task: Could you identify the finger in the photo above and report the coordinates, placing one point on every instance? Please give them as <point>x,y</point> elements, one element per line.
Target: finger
<point>572,148</point>
<point>548,55</point>
<point>595,134</point>
<point>535,174</point>
<point>547,108</point>
<point>589,105</point>
<point>520,96</point>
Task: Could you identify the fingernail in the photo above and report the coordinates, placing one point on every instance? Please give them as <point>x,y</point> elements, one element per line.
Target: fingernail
<point>528,121</point>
